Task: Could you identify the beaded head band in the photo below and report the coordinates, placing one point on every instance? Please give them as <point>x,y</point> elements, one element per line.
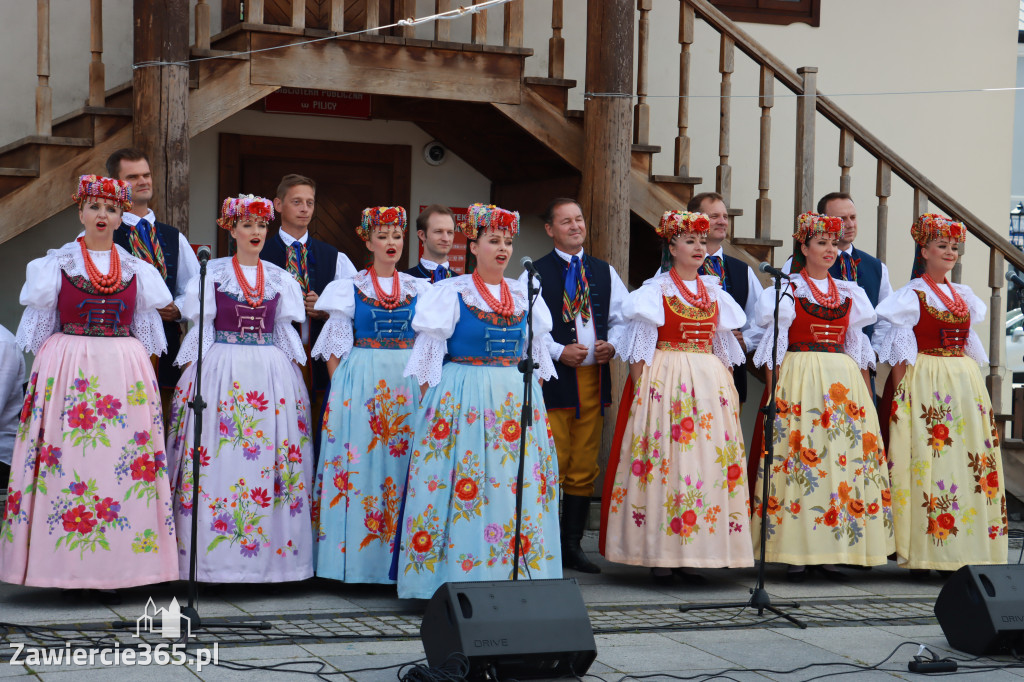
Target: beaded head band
<point>245,207</point>
<point>678,222</point>
<point>931,226</point>
<point>376,217</point>
<point>99,187</point>
<point>480,217</point>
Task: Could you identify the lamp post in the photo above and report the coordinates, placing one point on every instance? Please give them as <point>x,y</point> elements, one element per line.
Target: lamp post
<point>1016,233</point>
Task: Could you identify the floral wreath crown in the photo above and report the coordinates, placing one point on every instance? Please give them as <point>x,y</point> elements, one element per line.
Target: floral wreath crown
<point>245,207</point>
<point>99,187</point>
<point>929,226</point>
<point>812,224</point>
<point>480,217</point>
<point>376,217</point>
<point>677,222</point>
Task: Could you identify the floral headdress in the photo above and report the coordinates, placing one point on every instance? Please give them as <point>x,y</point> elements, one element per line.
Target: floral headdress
<point>99,187</point>
<point>245,207</point>
<point>377,216</point>
<point>810,225</point>
<point>929,226</point>
<point>480,217</point>
<point>677,222</point>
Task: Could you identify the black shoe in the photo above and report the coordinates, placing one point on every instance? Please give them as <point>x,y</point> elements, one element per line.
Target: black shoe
<point>832,574</point>
<point>5,474</point>
<point>689,577</point>
<point>796,576</point>
<point>662,579</point>
<point>920,574</point>
<point>108,597</point>
<point>575,510</point>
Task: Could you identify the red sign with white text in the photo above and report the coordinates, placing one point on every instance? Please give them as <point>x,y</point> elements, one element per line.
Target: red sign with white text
<point>318,103</point>
<point>457,256</point>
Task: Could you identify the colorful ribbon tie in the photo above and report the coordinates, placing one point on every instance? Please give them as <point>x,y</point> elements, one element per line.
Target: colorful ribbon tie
<point>848,267</point>
<point>145,244</point>
<point>440,273</point>
<point>296,265</point>
<point>712,265</point>
<point>576,298</point>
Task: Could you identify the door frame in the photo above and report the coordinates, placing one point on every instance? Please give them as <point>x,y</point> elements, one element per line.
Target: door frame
<point>235,148</point>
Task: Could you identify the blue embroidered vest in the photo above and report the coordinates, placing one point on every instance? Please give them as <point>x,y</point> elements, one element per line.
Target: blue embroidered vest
<point>486,338</point>
<point>377,327</point>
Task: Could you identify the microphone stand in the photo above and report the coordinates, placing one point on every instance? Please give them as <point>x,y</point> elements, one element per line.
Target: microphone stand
<point>759,598</point>
<point>526,366</point>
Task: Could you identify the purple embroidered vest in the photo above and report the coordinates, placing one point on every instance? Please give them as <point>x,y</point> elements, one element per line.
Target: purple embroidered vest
<point>84,312</point>
<point>238,322</point>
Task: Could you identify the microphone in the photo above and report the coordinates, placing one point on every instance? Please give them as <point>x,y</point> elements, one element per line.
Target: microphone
<point>1015,278</point>
<point>774,272</point>
<point>528,265</point>
<point>203,254</point>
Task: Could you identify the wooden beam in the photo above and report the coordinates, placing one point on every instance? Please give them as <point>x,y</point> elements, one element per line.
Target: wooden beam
<point>336,21</point>
<point>478,30</point>
<point>253,12</point>
<point>512,31</point>
<point>763,207</point>
<point>442,29</point>
<point>556,43</point>
<point>548,124</point>
<point>883,190</point>
<point>161,109</point>
<point>44,96</point>
<point>642,110</point>
<point>97,74</point>
<point>805,119</point>
<point>996,332</point>
<point>388,69</point>
<point>224,90</point>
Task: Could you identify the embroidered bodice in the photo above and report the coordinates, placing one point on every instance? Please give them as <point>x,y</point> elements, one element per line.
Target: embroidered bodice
<point>940,332</point>
<point>236,316</point>
<point>819,329</point>
<point>374,326</point>
<point>687,328</point>
<point>85,312</point>
<point>485,338</point>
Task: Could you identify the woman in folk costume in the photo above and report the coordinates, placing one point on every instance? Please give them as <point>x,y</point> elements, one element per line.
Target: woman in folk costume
<point>256,454</point>
<point>459,519</point>
<point>367,433</point>
<point>948,499</point>
<point>675,495</point>
<point>89,489</point>
<point>828,495</point>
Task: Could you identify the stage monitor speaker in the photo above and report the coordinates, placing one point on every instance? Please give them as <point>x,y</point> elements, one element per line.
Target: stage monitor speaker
<point>526,629</point>
<point>981,609</point>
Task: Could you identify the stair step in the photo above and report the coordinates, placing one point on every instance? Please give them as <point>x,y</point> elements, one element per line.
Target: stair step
<point>677,179</point>
<point>646,148</point>
<point>553,82</point>
<point>735,212</point>
<point>93,111</point>
<point>754,241</point>
<point>47,140</point>
<point>19,172</point>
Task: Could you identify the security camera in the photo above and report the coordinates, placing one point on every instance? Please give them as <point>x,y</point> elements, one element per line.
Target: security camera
<point>434,153</point>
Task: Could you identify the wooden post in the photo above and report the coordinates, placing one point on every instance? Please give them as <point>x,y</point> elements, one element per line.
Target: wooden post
<point>253,12</point>
<point>883,190</point>
<point>202,25</point>
<point>513,27</point>
<point>160,94</point>
<point>556,43</point>
<point>407,10</point>
<point>682,156</point>
<point>44,96</point>
<point>442,29</point>
<point>372,16</point>
<point>97,74</point>
<point>996,333</point>
<point>479,26</point>
<point>642,110</point>
<point>336,21</point>
<point>298,13</point>
<point>726,64</point>
<point>845,160</point>
<point>763,207</point>
<point>957,273</point>
<point>920,204</point>
<point>805,111</point>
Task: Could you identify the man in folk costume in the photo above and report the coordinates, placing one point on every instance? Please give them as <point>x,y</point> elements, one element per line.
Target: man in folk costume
<point>160,245</point>
<point>737,278</point>
<point>435,228</point>
<point>314,264</point>
<point>585,297</point>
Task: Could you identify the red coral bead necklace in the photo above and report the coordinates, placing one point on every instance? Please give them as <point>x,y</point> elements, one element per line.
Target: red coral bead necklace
<point>506,307</point>
<point>386,301</point>
<point>825,300</point>
<point>700,300</point>
<point>105,284</point>
<point>955,304</point>
<point>253,294</point>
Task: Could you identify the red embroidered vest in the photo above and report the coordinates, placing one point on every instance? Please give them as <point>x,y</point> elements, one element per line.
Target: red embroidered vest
<point>687,328</point>
<point>940,332</point>
<point>818,329</point>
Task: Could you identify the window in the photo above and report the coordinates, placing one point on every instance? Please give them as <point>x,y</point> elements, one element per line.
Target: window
<point>772,11</point>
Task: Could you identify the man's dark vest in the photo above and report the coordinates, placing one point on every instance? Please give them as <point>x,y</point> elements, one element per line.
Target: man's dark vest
<point>167,373</point>
<point>562,393</point>
<point>869,277</point>
<point>322,261</point>
<point>737,286</point>
<point>419,271</point>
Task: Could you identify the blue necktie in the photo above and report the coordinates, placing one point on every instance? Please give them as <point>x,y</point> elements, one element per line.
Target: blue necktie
<point>144,230</point>
<point>440,273</point>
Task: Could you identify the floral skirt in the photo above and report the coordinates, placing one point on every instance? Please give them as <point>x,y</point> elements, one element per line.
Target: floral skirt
<point>89,487</point>
<point>947,481</point>
<point>676,494</point>
<point>364,460</point>
<point>461,493</point>
<point>255,462</point>
<point>829,498</point>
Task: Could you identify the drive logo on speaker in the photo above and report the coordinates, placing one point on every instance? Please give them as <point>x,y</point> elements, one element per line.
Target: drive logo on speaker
<point>484,643</point>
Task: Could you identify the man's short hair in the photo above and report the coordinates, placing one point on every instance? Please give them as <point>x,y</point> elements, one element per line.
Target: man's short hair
<point>831,196</point>
<point>693,205</point>
<point>125,154</point>
<point>434,209</point>
<point>293,180</point>
<point>549,214</point>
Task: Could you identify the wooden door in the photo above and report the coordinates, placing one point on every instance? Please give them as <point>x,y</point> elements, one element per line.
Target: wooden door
<point>349,177</point>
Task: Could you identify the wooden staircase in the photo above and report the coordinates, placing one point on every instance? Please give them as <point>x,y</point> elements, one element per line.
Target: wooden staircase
<point>476,98</point>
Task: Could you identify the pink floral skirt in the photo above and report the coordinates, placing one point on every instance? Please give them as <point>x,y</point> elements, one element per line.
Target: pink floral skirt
<point>89,487</point>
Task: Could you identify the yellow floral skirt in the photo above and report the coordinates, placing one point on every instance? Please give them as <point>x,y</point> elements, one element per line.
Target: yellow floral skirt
<point>828,499</point>
<point>947,479</point>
